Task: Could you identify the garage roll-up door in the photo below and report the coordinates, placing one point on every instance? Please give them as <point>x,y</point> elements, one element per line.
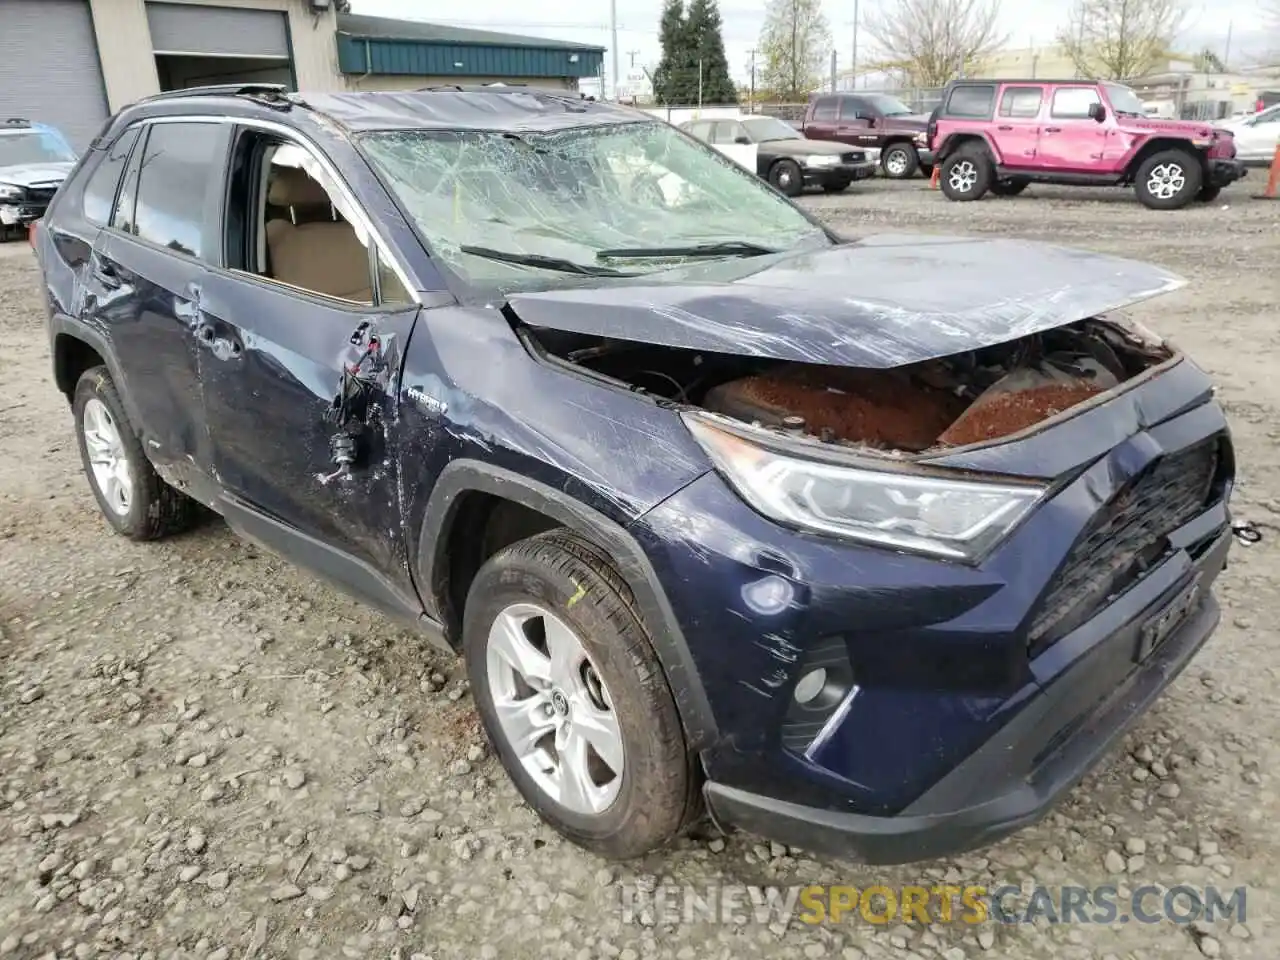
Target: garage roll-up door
<point>49,69</point>
<point>217,31</point>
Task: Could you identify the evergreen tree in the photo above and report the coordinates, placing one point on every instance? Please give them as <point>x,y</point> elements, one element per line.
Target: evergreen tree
<point>703,28</point>
<point>671,81</point>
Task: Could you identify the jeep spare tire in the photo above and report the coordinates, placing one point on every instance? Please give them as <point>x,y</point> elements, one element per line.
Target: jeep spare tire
<point>966,174</point>
<point>899,161</point>
<point>1168,180</point>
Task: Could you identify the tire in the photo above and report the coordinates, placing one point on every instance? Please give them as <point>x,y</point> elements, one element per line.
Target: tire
<point>1176,170</point>
<point>1208,193</point>
<point>572,602</point>
<point>836,187</point>
<point>966,174</point>
<point>138,504</point>
<point>1009,188</point>
<point>785,176</point>
<point>899,161</point>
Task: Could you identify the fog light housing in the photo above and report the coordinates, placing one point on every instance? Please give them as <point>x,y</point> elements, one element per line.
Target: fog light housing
<point>810,686</point>
<point>824,679</point>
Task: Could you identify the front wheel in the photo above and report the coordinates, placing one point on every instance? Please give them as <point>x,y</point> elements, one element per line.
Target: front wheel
<point>786,177</point>
<point>966,175</point>
<point>573,698</point>
<point>131,495</point>
<point>1168,180</point>
<point>1208,193</point>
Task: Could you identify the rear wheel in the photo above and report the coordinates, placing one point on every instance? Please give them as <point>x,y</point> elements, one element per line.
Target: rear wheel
<point>1009,188</point>
<point>1168,180</point>
<point>573,698</point>
<point>133,498</point>
<point>899,161</point>
<point>1208,193</point>
<point>966,174</point>
<point>786,177</point>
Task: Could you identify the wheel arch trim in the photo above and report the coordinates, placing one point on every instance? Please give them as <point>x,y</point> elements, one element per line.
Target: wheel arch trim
<point>465,476</point>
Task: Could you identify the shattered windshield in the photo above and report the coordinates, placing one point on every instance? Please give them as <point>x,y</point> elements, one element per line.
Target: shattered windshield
<point>35,147</point>
<point>770,128</point>
<point>524,210</point>
<point>1123,100</point>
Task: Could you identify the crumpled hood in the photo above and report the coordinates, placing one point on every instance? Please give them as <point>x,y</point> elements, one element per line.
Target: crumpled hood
<point>36,174</point>
<point>881,302</point>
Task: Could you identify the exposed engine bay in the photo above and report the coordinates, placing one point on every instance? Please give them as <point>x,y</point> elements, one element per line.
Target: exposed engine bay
<point>953,401</point>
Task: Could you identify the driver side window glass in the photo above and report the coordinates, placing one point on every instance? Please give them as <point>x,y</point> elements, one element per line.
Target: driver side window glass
<point>824,109</point>
<point>100,191</point>
<point>851,109</point>
<point>722,133</point>
<point>1073,103</point>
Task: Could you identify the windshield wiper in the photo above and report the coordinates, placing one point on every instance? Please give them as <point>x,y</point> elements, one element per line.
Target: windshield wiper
<point>727,248</point>
<point>545,263</point>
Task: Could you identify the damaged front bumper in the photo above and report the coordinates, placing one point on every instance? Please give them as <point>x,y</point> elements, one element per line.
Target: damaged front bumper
<point>1223,173</point>
<point>20,214</point>
<point>953,717</point>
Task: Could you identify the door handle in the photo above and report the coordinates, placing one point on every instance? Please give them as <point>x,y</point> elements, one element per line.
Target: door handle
<point>1052,129</point>
<point>1004,127</point>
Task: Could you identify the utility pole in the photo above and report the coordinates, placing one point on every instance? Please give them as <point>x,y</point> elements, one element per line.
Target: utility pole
<point>751,91</point>
<point>699,82</point>
<point>833,71</point>
<point>1226,53</point>
<point>853,59</point>
<point>632,55</point>
<point>613,46</point>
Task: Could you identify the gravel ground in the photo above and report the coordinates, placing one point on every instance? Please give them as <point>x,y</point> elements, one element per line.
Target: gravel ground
<point>206,754</point>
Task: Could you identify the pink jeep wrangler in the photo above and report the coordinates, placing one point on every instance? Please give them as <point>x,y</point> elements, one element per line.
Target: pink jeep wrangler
<point>1001,135</point>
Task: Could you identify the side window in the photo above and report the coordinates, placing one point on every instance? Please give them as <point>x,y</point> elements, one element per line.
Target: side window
<point>1021,102</point>
<point>727,132</point>
<point>825,109</point>
<point>122,217</point>
<point>1073,103</point>
<point>701,129</point>
<point>180,161</point>
<point>104,183</point>
<point>851,108</point>
<point>390,289</point>
<point>971,100</point>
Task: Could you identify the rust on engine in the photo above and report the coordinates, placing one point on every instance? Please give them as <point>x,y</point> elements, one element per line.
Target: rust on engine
<point>1006,413</point>
<point>879,408</point>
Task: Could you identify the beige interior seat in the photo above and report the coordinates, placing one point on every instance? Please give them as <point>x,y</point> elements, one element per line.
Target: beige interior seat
<point>316,252</point>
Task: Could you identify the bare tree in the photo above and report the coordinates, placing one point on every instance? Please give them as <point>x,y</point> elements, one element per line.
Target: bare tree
<point>794,41</point>
<point>934,41</point>
<point>1121,39</point>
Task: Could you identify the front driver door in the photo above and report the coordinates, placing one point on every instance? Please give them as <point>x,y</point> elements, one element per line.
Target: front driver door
<point>283,328</point>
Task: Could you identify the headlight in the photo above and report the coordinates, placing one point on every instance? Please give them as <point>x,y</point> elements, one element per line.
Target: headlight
<point>922,137</point>
<point>10,192</point>
<point>932,513</point>
<point>823,161</point>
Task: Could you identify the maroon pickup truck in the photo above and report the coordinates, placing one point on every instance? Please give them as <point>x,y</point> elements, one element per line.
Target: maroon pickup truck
<point>873,120</point>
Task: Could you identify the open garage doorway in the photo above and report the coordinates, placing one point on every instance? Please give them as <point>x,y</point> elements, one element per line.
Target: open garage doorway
<point>196,45</point>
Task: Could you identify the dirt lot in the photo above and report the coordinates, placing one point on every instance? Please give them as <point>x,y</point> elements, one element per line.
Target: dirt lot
<point>204,753</point>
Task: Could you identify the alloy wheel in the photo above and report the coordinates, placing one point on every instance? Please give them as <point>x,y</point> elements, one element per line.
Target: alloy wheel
<point>963,176</point>
<point>1167,180</point>
<point>553,709</point>
<point>896,163</point>
<point>107,458</point>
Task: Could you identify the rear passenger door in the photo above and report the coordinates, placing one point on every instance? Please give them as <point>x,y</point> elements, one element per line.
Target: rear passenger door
<point>823,119</point>
<point>151,265</point>
<point>724,137</point>
<point>1018,125</point>
<point>301,336</point>
<point>856,122</point>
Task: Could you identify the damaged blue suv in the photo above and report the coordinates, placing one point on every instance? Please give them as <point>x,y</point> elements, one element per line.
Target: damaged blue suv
<point>871,546</point>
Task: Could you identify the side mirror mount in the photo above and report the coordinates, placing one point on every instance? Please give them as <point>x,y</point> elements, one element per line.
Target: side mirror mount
<point>743,139</point>
<point>1097,112</point>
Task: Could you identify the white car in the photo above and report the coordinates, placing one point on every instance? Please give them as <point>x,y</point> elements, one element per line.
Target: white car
<point>1256,135</point>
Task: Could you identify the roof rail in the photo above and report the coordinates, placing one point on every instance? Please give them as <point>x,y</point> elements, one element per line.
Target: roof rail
<point>261,91</point>
<point>16,122</point>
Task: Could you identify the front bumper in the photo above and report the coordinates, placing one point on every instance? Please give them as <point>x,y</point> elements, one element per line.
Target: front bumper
<point>21,213</point>
<point>845,173</point>
<point>927,158</point>
<point>1225,172</point>
<point>1016,777</point>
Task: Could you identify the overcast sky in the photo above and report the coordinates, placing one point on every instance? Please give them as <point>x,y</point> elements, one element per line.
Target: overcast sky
<point>1026,21</point>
